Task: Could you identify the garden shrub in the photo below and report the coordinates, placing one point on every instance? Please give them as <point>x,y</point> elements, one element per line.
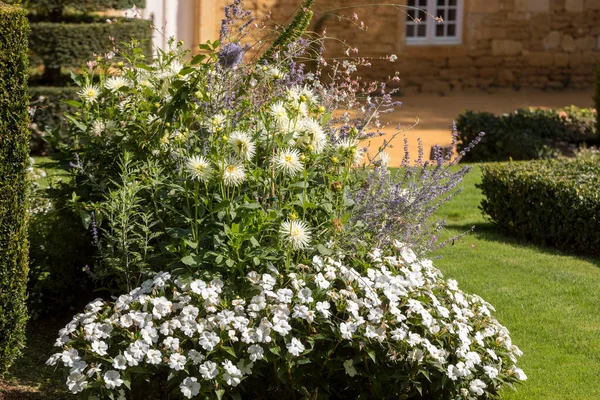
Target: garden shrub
<point>551,202</point>
<point>14,182</point>
<point>226,200</point>
<point>525,134</point>
<point>597,96</point>
<point>73,44</point>
<point>48,127</point>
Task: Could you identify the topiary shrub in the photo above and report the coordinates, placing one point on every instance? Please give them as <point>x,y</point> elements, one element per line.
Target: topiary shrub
<point>525,134</point>
<point>554,203</point>
<point>14,183</point>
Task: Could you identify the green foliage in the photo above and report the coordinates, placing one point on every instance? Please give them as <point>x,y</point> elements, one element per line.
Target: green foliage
<point>549,202</point>
<point>14,182</point>
<point>293,32</point>
<point>49,128</point>
<point>72,44</point>
<point>46,6</point>
<point>524,134</point>
<point>597,97</point>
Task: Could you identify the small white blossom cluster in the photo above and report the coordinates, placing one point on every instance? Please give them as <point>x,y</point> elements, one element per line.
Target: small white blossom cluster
<point>399,310</point>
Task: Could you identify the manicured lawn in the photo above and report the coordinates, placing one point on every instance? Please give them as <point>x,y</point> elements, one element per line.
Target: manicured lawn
<point>549,301</point>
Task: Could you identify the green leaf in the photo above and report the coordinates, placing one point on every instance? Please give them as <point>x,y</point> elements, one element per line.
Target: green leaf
<point>230,263</point>
<point>72,103</point>
<point>188,260</point>
<point>275,350</point>
<point>86,218</point>
<point>256,261</point>
<point>324,250</point>
<point>229,350</point>
<point>371,354</point>
<point>198,58</point>
<point>220,393</point>
<point>254,242</point>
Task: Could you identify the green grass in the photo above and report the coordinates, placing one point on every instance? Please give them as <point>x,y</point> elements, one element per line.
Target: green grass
<point>548,300</point>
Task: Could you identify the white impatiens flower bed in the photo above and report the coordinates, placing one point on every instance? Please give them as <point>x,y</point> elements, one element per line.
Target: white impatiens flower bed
<point>394,317</point>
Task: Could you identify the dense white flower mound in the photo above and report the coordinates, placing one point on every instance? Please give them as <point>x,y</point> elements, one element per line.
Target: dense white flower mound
<point>399,315</point>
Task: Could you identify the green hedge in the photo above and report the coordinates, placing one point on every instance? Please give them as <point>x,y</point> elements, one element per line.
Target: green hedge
<point>548,202</point>
<point>71,45</point>
<point>14,147</point>
<point>48,104</point>
<point>81,5</point>
<point>525,134</point>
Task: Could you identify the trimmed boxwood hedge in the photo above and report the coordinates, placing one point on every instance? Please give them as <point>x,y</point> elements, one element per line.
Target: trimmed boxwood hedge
<point>548,202</point>
<point>72,44</point>
<point>14,161</point>
<point>81,5</point>
<point>525,134</point>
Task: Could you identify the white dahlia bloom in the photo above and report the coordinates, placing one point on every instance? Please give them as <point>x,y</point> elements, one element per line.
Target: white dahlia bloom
<point>115,83</point>
<point>89,93</point>
<point>199,168</point>
<point>233,173</point>
<point>242,145</point>
<point>288,162</point>
<point>295,233</point>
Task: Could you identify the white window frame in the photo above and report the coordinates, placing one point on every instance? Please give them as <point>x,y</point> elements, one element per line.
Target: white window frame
<point>430,38</point>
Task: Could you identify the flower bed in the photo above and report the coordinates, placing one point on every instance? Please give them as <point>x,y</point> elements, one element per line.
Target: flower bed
<point>393,329</point>
<point>240,214</point>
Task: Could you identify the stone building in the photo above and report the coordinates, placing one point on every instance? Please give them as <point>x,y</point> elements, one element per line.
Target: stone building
<point>481,43</point>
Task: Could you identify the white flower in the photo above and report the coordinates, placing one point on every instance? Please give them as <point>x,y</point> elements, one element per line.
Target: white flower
<point>153,356</point>
<point>112,379</point>
<point>208,370</point>
<point>190,387</point>
<point>393,57</point>
<point>305,295</point>
<point>89,93</point>
<point>115,83</point>
<point>177,361</point>
<point>282,327</point>
<point>98,127</point>
<point>199,168</point>
<point>68,357</point>
<point>477,386</point>
<point>490,371</point>
<point>208,340</point>
<point>216,123</point>
<point>295,347</point>
<point>195,356</point>
<point>323,307</point>
<point>518,372</point>
<point>256,352</point>
<point>242,145</point>
<point>76,382</point>
<point>288,162</point>
<point>349,367</point>
<point>295,234</point>
<point>311,135</point>
<point>99,347</point>
<point>119,362</point>
<point>349,148</point>
<point>232,375</point>
<point>279,111</point>
<point>233,173</point>
<point>162,307</point>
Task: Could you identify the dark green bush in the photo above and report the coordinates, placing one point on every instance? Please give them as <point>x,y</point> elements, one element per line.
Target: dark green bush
<point>81,5</point>
<point>48,127</point>
<point>14,182</point>
<point>597,96</point>
<point>525,134</point>
<point>549,202</point>
<point>72,44</point>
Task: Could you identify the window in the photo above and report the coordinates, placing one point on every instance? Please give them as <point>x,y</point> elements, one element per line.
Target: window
<point>422,26</point>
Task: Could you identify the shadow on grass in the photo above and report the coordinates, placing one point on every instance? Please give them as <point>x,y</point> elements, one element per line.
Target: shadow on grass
<point>30,378</point>
<point>490,232</point>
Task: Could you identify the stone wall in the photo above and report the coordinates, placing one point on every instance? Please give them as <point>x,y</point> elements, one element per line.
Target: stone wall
<point>506,43</point>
